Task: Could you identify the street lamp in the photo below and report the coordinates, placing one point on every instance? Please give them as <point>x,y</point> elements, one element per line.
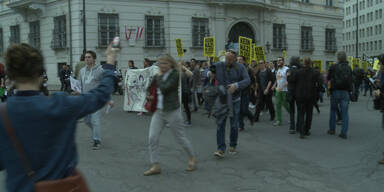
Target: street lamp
<point>84,30</point>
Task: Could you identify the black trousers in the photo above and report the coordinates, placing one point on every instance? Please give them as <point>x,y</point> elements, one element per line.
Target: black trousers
<point>185,101</point>
<point>264,100</point>
<point>292,111</point>
<point>305,111</point>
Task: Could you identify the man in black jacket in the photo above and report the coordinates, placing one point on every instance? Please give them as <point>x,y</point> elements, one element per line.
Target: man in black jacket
<point>264,81</point>
<point>340,76</point>
<point>294,66</point>
<point>306,83</point>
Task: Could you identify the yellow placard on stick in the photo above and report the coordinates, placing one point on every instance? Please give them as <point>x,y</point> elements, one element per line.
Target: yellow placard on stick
<point>209,46</point>
<point>376,65</point>
<point>179,48</point>
<point>245,45</point>
<point>355,61</point>
<point>284,55</point>
<point>317,64</point>
<point>253,52</point>
<point>364,65</point>
<point>260,54</point>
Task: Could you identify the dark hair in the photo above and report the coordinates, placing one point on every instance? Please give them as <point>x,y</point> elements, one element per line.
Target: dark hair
<point>381,58</point>
<point>341,56</point>
<point>307,62</point>
<point>131,61</point>
<point>242,57</point>
<point>232,51</point>
<point>24,63</point>
<point>82,57</point>
<point>295,61</point>
<point>92,53</point>
<point>282,58</point>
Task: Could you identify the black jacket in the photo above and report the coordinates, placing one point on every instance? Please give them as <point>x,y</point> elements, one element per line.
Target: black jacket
<point>291,86</point>
<point>270,77</point>
<point>307,84</point>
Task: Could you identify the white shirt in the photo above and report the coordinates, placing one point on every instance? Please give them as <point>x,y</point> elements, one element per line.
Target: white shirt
<point>159,95</point>
<point>281,78</point>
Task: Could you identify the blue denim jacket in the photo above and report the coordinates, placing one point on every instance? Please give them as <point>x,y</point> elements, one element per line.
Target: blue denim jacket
<point>238,74</point>
<point>45,127</point>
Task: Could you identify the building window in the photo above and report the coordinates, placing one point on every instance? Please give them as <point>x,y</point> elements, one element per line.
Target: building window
<point>380,45</point>
<point>330,39</point>
<point>200,29</point>
<point>381,13</point>
<point>60,32</point>
<point>34,34</point>
<point>329,3</point>
<point>155,31</point>
<point>375,45</point>
<point>108,28</point>
<point>305,1</point>
<point>371,45</point>
<point>1,41</point>
<point>15,34</point>
<point>279,36</point>
<point>306,38</point>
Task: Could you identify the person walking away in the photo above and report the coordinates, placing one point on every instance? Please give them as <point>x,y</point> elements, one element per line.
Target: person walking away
<point>264,82</point>
<point>244,98</point>
<point>281,89</point>
<point>340,76</point>
<point>232,78</point>
<point>44,126</point>
<point>196,83</point>
<point>186,90</point>
<point>167,113</point>
<point>358,75</point>
<point>294,66</point>
<point>306,82</point>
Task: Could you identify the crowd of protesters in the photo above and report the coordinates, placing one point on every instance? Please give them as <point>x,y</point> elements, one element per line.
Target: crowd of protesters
<point>229,89</point>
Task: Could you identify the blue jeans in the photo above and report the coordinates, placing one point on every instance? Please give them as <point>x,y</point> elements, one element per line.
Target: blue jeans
<point>339,98</point>
<point>221,122</point>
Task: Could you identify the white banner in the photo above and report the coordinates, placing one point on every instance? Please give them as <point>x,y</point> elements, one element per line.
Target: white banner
<point>136,84</point>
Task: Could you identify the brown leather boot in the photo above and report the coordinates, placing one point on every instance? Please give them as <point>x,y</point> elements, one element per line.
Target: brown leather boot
<point>154,170</point>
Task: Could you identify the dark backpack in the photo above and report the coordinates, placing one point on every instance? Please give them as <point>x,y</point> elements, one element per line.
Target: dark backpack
<point>342,77</point>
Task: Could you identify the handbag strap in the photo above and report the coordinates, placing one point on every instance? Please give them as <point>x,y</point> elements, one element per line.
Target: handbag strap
<point>15,142</point>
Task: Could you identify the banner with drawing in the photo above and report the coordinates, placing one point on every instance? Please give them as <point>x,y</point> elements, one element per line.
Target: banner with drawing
<point>136,84</point>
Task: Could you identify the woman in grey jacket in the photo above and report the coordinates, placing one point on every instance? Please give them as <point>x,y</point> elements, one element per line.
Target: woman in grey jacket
<point>167,112</point>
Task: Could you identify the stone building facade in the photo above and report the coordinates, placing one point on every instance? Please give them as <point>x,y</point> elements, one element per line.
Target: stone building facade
<point>301,27</point>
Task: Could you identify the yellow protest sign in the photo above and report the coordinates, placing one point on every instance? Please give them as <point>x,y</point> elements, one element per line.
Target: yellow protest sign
<point>284,55</point>
<point>179,48</point>
<point>260,54</point>
<point>245,45</point>
<point>376,65</point>
<point>317,64</point>
<point>209,46</point>
<point>355,61</point>
<point>364,65</point>
<point>253,52</point>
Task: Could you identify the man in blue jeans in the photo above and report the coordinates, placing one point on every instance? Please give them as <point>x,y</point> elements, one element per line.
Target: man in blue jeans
<point>232,78</point>
<point>340,76</point>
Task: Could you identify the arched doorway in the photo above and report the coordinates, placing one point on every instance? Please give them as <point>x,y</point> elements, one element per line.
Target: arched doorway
<point>239,29</point>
